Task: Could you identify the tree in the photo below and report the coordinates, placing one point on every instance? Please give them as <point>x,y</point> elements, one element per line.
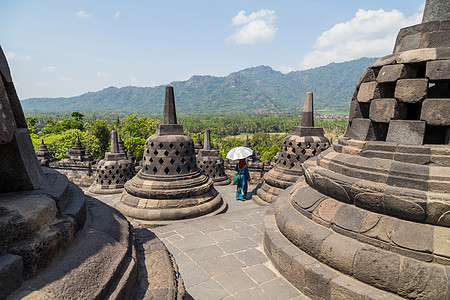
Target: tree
<point>99,129</point>
<point>77,115</point>
<point>136,145</point>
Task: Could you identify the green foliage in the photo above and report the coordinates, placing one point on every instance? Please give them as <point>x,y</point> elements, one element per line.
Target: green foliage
<point>99,129</point>
<point>77,115</point>
<point>66,141</point>
<point>58,127</point>
<point>136,145</point>
<point>134,126</point>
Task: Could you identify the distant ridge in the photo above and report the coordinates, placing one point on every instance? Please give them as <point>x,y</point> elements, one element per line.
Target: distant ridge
<point>258,89</point>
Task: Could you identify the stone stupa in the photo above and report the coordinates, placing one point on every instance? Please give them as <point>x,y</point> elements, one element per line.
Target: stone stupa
<point>113,171</point>
<point>54,243</point>
<point>169,187</point>
<point>371,220</point>
<point>304,142</point>
<point>44,155</point>
<point>77,165</point>
<point>198,144</point>
<point>211,162</point>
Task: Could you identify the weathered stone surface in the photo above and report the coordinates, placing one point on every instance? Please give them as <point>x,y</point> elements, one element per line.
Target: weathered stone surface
<point>377,268</point>
<point>436,112</point>
<point>391,73</point>
<point>415,237</point>
<point>158,276</point>
<point>384,110</point>
<point>407,132</point>
<point>411,90</point>
<point>438,70</point>
<point>11,277</point>
<point>358,110</point>
<point>436,10</point>
<point>339,252</point>
<point>368,91</point>
<point>419,280</point>
<point>8,124</point>
<point>349,218</point>
<point>343,288</point>
<point>361,129</point>
<point>318,280</point>
<point>367,75</point>
<point>308,111</point>
<point>20,169</point>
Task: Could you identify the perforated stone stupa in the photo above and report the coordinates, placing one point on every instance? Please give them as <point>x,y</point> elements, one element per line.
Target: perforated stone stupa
<point>211,162</point>
<point>372,217</point>
<point>198,144</point>
<point>170,186</point>
<point>304,142</point>
<point>113,171</point>
<point>44,155</point>
<point>78,165</point>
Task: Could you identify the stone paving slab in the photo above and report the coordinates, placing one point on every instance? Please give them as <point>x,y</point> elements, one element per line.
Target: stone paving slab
<point>222,257</point>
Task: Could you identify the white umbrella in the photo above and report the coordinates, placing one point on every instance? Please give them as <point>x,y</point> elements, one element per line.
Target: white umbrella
<point>239,153</point>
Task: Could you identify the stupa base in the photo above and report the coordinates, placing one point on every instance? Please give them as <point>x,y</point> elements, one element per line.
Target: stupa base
<point>158,212</point>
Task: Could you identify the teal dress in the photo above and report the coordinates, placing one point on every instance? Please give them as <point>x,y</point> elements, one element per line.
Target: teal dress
<point>242,184</point>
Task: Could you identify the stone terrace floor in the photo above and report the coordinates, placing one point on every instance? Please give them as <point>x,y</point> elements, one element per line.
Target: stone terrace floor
<point>222,257</point>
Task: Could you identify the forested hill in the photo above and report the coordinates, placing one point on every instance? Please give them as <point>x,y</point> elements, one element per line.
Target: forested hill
<point>257,89</point>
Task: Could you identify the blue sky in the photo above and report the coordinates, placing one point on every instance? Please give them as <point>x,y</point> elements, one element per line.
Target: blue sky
<point>61,48</point>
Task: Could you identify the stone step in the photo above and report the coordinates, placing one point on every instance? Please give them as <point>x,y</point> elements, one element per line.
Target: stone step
<point>313,278</point>
<point>92,265</point>
<point>385,266</point>
<point>158,273</point>
<point>22,215</point>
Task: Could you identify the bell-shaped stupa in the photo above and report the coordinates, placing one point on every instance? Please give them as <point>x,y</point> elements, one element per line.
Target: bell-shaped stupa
<point>113,171</point>
<point>78,153</point>
<point>44,155</point>
<point>198,144</point>
<point>211,162</point>
<point>170,186</point>
<point>371,220</point>
<point>304,142</point>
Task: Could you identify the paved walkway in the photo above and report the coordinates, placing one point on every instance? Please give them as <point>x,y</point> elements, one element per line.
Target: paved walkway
<point>222,257</point>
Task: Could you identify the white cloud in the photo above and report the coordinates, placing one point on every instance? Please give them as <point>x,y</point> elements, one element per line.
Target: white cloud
<point>83,15</point>
<point>116,15</point>
<point>369,33</point>
<point>285,70</point>
<point>49,69</point>
<point>64,78</point>
<point>255,27</point>
<point>133,79</point>
<point>11,56</point>
<point>103,74</point>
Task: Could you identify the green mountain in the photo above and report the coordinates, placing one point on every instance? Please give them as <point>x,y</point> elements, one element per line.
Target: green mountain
<point>257,89</point>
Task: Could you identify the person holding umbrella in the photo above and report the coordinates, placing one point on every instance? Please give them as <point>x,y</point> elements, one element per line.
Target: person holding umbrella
<point>242,177</point>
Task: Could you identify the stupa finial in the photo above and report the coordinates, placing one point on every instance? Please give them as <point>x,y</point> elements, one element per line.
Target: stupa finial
<point>170,115</point>
<point>308,111</point>
<point>207,141</point>
<point>114,142</point>
<point>436,10</point>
